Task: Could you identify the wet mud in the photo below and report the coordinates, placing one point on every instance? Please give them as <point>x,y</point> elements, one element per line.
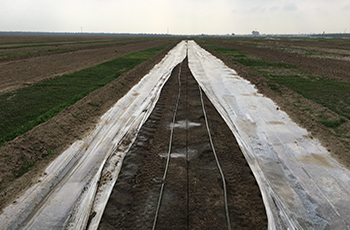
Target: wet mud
<point>193,193</point>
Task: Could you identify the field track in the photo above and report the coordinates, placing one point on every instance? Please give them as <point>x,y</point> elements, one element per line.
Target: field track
<point>193,195</point>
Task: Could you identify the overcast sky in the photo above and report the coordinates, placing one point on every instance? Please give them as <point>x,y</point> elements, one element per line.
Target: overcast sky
<point>179,16</point>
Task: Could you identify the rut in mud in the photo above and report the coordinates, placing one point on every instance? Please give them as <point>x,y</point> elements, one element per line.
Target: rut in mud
<point>193,193</point>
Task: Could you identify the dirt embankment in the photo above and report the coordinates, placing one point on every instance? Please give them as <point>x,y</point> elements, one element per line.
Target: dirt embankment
<point>286,100</point>
<point>55,135</point>
<point>33,69</point>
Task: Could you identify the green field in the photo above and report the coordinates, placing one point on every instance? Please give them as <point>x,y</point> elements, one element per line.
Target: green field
<point>23,109</point>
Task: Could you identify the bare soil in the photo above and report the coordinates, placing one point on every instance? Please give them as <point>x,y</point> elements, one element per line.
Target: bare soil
<point>340,46</point>
<point>11,40</point>
<point>60,132</point>
<point>49,48</point>
<point>193,194</point>
<point>332,46</point>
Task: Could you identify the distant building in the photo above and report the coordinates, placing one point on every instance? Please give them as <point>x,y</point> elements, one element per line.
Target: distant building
<point>255,33</point>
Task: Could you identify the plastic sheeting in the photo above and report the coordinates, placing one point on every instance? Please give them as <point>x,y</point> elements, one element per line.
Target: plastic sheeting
<point>71,182</point>
<point>302,186</point>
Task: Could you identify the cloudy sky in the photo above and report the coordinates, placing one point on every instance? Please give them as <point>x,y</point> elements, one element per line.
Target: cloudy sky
<point>177,16</point>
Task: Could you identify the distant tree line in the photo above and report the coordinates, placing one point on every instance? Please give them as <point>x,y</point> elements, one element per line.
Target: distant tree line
<point>339,35</point>
<point>165,35</point>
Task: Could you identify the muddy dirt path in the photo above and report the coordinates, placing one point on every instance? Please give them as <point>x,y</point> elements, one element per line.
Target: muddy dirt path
<point>193,192</point>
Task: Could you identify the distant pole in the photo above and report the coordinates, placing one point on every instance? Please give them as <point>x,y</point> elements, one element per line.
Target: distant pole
<point>81,29</point>
<point>167,30</point>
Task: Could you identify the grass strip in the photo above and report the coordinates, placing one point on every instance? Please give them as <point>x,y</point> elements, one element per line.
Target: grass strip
<point>332,94</point>
<point>25,108</point>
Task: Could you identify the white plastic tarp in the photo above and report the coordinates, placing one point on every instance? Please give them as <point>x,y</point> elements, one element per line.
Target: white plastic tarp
<point>303,187</point>
<point>71,180</point>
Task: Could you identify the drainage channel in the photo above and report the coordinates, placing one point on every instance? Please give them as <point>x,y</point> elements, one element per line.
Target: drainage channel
<point>188,192</point>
